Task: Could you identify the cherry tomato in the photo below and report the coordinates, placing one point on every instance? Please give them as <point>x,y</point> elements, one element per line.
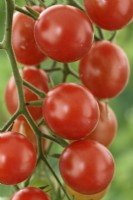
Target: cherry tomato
<point>70,111</point>
<point>78,196</point>
<point>37,78</point>
<point>24,128</point>
<point>64,33</point>
<point>23,41</point>
<point>17,158</point>
<point>110,15</point>
<point>30,193</point>
<point>104,70</point>
<point>87,166</point>
<point>106,129</point>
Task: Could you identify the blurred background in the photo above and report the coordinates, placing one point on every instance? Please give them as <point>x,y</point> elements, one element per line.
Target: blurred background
<point>122,148</point>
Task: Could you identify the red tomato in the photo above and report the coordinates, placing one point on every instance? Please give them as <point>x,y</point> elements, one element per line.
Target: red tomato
<point>106,129</point>
<point>23,41</point>
<point>37,78</point>
<point>64,33</point>
<point>24,128</point>
<point>86,166</point>
<point>104,70</point>
<point>110,15</point>
<point>70,111</point>
<point>30,193</point>
<point>17,158</point>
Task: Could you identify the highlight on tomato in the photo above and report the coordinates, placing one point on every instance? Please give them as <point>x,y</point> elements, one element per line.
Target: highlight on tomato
<point>70,111</point>
<point>24,128</point>
<point>64,33</point>
<point>17,158</point>
<point>78,196</point>
<point>24,45</point>
<point>87,166</point>
<point>104,70</point>
<point>106,129</point>
<point>110,15</point>
<point>39,79</point>
<point>30,193</point>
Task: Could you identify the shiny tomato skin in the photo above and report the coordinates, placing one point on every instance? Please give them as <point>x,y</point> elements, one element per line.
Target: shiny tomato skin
<point>79,196</point>
<point>86,166</point>
<point>25,129</point>
<point>37,78</point>
<point>71,111</point>
<point>30,193</point>
<point>106,129</point>
<point>25,48</point>
<point>104,70</point>
<point>18,158</point>
<point>110,15</point>
<point>64,33</point>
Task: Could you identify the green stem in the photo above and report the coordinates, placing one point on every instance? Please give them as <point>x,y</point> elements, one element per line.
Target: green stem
<point>34,103</point>
<point>19,9</point>
<point>34,89</point>
<point>101,35</point>
<point>16,187</point>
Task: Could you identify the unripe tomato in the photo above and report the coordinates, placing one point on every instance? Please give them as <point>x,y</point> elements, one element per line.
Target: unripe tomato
<point>24,128</point>
<point>87,166</point>
<point>79,196</point>
<point>64,33</point>
<point>110,15</point>
<point>106,129</point>
<point>36,77</point>
<point>25,48</point>
<point>17,158</point>
<point>71,111</point>
<point>104,70</point>
<point>30,193</point>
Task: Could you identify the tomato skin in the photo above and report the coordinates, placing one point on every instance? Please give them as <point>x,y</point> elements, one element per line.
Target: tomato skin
<point>24,128</point>
<point>110,15</point>
<point>86,166</point>
<point>18,158</point>
<point>71,111</point>
<point>106,129</point>
<point>78,196</point>
<point>30,193</point>
<point>64,33</point>
<point>37,78</point>
<point>104,70</point>
<point>25,48</point>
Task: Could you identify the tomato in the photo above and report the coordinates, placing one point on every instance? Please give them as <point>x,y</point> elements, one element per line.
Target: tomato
<point>104,70</point>
<point>30,193</point>
<point>77,196</point>
<point>37,78</point>
<point>106,129</point>
<point>25,48</point>
<point>64,33</point>
<point>86,166</point>
<point>70,111</point>
<point>110,15</point>
<point>24,128</point>
<point>17,158</point>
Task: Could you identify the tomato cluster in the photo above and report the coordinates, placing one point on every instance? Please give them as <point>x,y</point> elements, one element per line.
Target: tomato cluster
<point>74,112</point>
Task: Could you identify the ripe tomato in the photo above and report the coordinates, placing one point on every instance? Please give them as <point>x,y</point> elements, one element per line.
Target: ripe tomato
<point>24,128</point>
<point>78,196</point>
<point>110,15</point>
<point>106,129</point>
<point>17,158</point>
<point>70,111</point>
<point>23,41</point>
<point>37,78</point>
<point>64,33</point>
<point>104,70</point>
<point>86,166</point>
<point>30,193</point>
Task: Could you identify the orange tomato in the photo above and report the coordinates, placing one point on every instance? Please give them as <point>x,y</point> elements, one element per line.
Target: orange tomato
<point>77,196</point>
